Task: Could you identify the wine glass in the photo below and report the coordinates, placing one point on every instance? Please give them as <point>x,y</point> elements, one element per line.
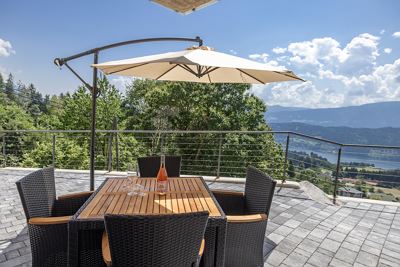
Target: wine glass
<point>137,190</point>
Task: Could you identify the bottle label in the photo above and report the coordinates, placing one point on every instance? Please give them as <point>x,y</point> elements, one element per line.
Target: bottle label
<point>162,186</point>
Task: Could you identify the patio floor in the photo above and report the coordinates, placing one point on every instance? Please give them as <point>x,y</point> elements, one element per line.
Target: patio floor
<point>300,231</point>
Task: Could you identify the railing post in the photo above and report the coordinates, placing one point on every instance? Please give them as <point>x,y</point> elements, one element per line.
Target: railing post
<point>109,149</point>
<point>337,175</point>
<point>285,163</point>
<point>53,155</point>
<point>4,152</point>
<point>219,156</point>
<point>286,157</point>
<point>117,150</point>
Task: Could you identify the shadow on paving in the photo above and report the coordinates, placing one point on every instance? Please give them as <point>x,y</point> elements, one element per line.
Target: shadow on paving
<point>16,251</point>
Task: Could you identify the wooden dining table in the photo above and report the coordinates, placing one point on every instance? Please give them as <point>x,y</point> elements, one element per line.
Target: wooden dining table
<point>184,195</point>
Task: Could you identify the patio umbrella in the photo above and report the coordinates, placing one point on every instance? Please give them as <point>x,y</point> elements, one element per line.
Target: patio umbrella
<point>185,6</point>
<point>198,64</point>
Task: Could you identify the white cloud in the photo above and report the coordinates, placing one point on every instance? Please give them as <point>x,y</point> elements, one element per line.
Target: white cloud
<point>5,48</point>
<point>396,34</point>
<point>233,52</point>
<point>264,58</point>
<point>121,82</point>
<point>382,32</point>
<point>387,50</point>
<point>338,75</point>
<point>279,50</point>
<point>260,57</point>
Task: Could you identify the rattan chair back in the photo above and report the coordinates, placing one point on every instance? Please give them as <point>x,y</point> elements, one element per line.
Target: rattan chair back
<point>155,240</point>
<point>37,191</point>
<point>149,166</point>
<point>259,191</point>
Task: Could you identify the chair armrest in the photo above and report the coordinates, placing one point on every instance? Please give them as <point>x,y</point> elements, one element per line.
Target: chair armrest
<point>233,203</point>
<point>70,204</point>
<point>227,193</point>
<point>203,244</point>
<point>49,220</point>
<point>246,218</point>
<point>105,249</point>
<point>76,195</point>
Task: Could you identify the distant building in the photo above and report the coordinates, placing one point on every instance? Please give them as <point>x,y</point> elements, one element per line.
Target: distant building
<point>349,192</point>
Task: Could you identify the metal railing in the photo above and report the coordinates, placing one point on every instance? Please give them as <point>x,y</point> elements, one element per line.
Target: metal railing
<point>371,171</point>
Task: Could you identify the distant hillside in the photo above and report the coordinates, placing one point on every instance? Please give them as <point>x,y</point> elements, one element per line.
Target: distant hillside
<point>377,115</point>
<point>382,136</point>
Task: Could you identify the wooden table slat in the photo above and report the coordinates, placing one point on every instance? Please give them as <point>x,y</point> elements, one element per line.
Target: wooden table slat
<point>183,195</point>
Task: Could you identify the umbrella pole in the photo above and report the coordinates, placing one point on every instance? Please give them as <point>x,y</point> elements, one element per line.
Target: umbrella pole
<point>93,123</point>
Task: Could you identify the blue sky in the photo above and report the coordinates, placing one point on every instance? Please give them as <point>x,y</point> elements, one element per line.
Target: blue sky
<point>348,51</point>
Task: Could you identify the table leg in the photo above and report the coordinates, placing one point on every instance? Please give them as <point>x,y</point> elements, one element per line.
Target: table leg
<point>220,245</point>
<point>73,240</point>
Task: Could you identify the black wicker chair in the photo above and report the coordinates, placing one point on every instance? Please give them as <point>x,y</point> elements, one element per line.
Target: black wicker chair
<point>154,240</point>
<point>149,166</point>
<point>47,216</point>
<point>247,215</point>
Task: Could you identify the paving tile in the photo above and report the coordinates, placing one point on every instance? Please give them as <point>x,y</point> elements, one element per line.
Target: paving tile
<point>319,259</point>
<point>391,253</point>
<point>276,258</point>
<point>367,259</point>
<point>292,223</point>
<point>338,263</point>
<point>12,254</point>
<point>295,259</point>
<point>300,232</point>
<point>337,236</point>
<point>389,260</point>
<point>372,250</point>
<point>330,245</point>
<point>275,238</point>
<point>325,252</point>
<point>351,246</point>
<point>286,246</point>
<point>319,233</point>
<point>346,255</point>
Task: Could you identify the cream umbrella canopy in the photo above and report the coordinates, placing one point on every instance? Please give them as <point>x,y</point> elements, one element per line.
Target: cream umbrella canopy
<point>198,64</point>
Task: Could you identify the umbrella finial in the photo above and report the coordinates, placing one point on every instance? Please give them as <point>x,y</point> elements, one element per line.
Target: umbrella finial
<point>199,40</point>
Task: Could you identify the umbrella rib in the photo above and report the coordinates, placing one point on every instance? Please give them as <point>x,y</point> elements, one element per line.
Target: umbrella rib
<point>209,78</point>
<point>166,72</point>
<point>187,69</point>
<point>132,67</point>
<point>288,75</point>
<point>209,70</point>
<point>251,76</point>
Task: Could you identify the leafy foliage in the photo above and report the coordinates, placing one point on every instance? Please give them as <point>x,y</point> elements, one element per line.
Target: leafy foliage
<point>147,105</point>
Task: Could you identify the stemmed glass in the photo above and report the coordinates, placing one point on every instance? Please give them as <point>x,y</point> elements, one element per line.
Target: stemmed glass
<point>131,186</point>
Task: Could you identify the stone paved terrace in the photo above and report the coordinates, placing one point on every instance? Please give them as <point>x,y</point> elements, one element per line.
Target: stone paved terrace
<point>300,231</point>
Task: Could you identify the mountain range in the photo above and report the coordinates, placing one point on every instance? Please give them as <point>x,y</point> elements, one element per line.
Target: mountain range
<point>376,115</point>
<point>381,136</point>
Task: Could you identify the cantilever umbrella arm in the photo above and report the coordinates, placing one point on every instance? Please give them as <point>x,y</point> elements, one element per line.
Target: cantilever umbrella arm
<point>93,88</point>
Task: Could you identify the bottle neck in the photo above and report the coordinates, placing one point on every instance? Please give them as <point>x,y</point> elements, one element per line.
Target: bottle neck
<point>162,161</point>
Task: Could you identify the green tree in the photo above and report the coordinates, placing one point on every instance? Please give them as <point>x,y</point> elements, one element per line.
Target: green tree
<point>191,106</point>
<point>9,88</point>
<point>68,154</point>
<point>2,94</point>
<point>77,110</point>
<point>13,117</point>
